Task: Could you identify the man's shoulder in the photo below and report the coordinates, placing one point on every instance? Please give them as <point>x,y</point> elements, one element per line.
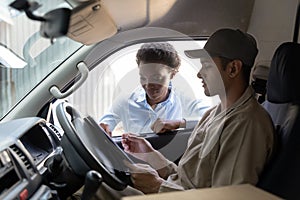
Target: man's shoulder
<point>254,111</point>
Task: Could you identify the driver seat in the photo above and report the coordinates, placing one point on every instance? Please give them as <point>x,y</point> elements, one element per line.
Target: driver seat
<point>281,176</point>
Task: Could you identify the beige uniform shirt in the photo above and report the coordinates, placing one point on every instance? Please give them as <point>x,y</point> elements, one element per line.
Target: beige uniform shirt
<point>225,148</point>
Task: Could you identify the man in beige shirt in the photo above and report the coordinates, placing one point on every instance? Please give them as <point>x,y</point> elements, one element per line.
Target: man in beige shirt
<point>231,143</point>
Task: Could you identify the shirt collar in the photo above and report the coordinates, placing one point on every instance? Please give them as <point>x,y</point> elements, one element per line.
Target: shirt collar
<point>248,94</point>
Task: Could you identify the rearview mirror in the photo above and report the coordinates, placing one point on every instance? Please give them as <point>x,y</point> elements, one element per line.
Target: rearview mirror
<point>56,23</point>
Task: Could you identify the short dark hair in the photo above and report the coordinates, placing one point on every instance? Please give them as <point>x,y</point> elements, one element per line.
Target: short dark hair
<point>246,69</point>
<point>158,52</point>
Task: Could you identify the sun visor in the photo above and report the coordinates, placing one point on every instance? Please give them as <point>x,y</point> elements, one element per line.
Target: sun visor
<point>91,23</point>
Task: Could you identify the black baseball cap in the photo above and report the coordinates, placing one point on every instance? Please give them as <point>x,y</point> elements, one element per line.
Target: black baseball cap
<point>228,43</point>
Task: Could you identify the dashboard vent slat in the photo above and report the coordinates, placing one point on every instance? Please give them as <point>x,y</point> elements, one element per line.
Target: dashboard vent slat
<point>55,130</point>
<point>24,158</point>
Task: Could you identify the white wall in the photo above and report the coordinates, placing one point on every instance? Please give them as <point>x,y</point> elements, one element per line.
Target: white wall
<point>272,23</point>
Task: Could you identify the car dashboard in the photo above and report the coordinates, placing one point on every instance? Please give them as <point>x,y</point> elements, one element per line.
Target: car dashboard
<point>34,164</point>
<point>26,145</point>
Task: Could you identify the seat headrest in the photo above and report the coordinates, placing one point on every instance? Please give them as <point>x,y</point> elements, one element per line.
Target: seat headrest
<point>283,84</point>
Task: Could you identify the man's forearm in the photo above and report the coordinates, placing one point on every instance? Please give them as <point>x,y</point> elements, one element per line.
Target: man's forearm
<point>163,166</point>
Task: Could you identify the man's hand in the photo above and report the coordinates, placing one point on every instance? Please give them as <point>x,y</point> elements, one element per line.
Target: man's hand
<point>106,128</point>
<point>145,178</point>
<point>142,149</point>
<point>162,126</point>
<point>137,146</point>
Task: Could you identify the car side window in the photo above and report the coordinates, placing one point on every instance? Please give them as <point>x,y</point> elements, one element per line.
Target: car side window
<point>118,76</point>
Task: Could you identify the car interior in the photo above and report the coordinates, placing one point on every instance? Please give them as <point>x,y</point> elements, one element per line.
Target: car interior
<point>72,58</point>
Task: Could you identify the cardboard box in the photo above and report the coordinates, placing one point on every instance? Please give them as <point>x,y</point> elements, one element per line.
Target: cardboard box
<point>235,192</point>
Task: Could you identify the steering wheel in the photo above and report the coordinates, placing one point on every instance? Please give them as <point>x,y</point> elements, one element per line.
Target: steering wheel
<point>86,146</point>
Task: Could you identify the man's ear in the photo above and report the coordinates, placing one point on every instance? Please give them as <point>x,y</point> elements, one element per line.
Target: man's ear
<point>234,68</point>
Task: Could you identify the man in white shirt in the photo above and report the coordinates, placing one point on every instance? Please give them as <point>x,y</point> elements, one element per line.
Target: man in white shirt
<point>156,105</point>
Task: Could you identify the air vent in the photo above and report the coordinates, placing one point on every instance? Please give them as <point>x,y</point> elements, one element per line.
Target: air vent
<point>56,131</point>
<point>24,159</point>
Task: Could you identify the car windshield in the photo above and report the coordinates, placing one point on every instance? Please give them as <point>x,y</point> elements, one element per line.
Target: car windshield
<point>20,35</point>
